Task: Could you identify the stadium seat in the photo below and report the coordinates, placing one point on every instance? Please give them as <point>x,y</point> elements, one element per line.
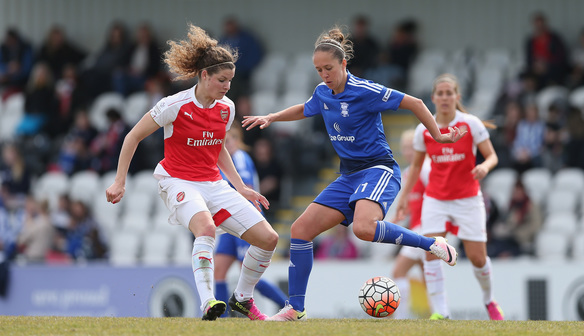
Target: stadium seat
<point>263,102</point>
<point>13,111</point>
<point>156,249</point>
<point>551,245</point>
<point>576,98</point>
<point>136,105</point>
<point>499,184</point>
<point>125,249</point>
<point>548,96</point>
<point>138,203</point>
<point>268,75</point>
<point>561,201</point>
<point>145,182</point>
<point>578,246</point>
<point>85,186</point>
<point>500,58</point>
<point>106,214</point>
<point>569,179</point>
<point>51,185</point>
<point>105,101</point>
<point>183,247</point>
<point>537,182</point>
<point>561,222</point>
<point>135,223</point>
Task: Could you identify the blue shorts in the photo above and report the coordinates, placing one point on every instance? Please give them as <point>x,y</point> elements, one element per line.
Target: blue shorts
<point>379,184</point>
<point>231,245</point>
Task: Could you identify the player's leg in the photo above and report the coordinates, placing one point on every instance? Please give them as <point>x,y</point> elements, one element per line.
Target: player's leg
<point>435,286</point>
<point>225,255</point>
<point>316,219</point>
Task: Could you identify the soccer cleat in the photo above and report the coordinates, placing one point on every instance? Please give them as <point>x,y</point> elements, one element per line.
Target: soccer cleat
<point>247,308</point>
<point>289,314</point>
<point>495,312</point>
<point>442,250</point>
<point>438,316</point>
<point>215,308</point>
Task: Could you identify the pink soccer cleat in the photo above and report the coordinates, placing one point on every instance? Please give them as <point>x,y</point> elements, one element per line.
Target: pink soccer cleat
<point>289,314</point>
<point>247,308</point>
<point>495,312</point>
<point>442,250</point>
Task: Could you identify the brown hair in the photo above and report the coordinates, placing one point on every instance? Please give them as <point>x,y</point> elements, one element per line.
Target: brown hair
<point>335,42</point>
<point>449,78</point>
<point>188,58</point>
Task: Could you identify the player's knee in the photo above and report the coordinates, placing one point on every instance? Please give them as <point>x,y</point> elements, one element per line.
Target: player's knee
<point>477,259</point>
<point>363,231</point>
<point>271,240</point>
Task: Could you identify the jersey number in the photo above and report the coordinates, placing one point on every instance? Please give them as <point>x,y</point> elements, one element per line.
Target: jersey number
<point>362,186</point>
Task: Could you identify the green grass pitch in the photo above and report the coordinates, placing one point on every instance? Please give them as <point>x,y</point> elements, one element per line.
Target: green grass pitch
<point>49,325</point>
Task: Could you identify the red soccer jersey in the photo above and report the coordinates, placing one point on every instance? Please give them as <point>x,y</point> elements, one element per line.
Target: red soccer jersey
<point>450,177</point>
<point>193,135</point>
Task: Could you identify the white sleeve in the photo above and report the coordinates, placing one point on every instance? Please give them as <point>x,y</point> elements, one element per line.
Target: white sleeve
<point>477,129</point>
<point>419,144</point>
<point>231,117</point>
<point>163,114</point>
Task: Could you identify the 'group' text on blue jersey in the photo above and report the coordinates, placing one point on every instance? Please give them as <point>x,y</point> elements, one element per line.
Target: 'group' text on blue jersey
<point>353,121</point>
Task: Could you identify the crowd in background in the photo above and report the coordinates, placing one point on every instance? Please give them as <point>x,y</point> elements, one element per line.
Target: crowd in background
<point>60,81</point>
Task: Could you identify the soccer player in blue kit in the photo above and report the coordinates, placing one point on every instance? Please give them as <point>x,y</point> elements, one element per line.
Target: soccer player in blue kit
<point>230,248</point>
<point>370,178</point>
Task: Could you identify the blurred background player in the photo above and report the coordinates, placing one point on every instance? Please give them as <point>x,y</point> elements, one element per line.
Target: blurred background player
<point>370,178</point>
<point>195,122</point>
<point>453,192</point>
<point>230,248</point>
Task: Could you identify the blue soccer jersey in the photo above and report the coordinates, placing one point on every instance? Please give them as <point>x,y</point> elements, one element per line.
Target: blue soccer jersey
<point>353,121</point>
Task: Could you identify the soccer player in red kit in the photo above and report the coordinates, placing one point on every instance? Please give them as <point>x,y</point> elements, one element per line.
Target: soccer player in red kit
<point>195,123</point>
<point>453,192</point>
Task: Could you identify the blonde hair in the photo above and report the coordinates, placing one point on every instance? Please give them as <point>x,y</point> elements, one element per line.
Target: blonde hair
<point>336,42</point>
<point>449,78</point>
<point>188,58</point>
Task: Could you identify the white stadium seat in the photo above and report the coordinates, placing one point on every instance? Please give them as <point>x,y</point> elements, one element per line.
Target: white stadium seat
<point>578,246</point>
<point>551,245</point>
<point>183,248</point>
<point>136,105</point>
<point>565,223</point>
<point>499,184</point>
<point>156,249</point>
<point>576,98</point>
<point>560,200</point>
<point>125,249</point>
<point>105,101</point>
<point>549,95</point>
<point>569,179</point>
<point>135,223</point>
<point>13,111</point>
<point>537,182</point>
<point>85,186</point>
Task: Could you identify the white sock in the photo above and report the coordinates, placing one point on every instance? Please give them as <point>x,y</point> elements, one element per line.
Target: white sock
<point>485,277</point>
<point>254,264</point>
<point>203,268</point>
<point>403,311</point>
<point>435,287</point>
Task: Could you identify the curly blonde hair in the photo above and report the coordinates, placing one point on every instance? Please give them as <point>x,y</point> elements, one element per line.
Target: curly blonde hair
<point>336,42</point>
<point>188,58</point>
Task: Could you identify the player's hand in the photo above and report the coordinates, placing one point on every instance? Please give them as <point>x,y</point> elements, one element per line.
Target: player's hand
<point>250,122</point>
<point>479,172</point>
<point>402,210</point>
<point>115,192</point>
<point>453,136</point>
<point>255,197</point>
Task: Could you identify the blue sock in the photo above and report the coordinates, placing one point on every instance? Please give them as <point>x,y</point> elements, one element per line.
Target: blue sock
<point>387,232</point>
<point>272,292</point>
<point>222,294</point>
<point>301,258</point>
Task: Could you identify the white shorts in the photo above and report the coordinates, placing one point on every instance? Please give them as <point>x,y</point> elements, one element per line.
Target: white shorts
<point>467,213</point>
<point>184,199</point>
<point>413,253</point>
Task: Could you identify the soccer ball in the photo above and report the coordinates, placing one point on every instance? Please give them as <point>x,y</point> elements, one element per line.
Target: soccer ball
<point>379,296</point>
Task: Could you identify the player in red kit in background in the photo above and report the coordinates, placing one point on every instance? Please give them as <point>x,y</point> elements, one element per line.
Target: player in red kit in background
<point>195,123</point>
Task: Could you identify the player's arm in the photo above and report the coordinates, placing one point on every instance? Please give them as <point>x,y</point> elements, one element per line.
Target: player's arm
<point>412,177</point>
<point>291,113</point>
<point>491,160</point>
<point>226,165</point>
<point>421,111</point>
<point>141,130</point>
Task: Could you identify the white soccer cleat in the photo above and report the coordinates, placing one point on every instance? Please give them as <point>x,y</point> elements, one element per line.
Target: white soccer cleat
<point>288,314</point>
<point>444,251</point>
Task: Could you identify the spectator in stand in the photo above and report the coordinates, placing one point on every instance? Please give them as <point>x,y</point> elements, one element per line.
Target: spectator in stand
<point>141,62</point>
<point>106,146</point>
<point>505,136</point>
<point>516,234</point>
<point>16,60</point>
<point>528,145</point>
<point>270,173</point>
<point>58,52</point>
<point>71,97</point>
<point>99,76</point>
<point>15,177</point>
<point>337,244</point>
<point>365,47</point>
<point>547,56</point>
<point>36,237</point>
<point>40,102</point>
<point>250,52</point>
<point>84,239</point>
<point>577,74</point>
<point>555,138</point>
<point>575,143</point>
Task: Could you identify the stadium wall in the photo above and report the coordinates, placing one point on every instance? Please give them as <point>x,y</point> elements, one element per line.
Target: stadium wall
<point>447,24</point>
<point>525,289</point>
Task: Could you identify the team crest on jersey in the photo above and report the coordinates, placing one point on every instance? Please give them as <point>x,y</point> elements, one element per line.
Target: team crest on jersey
<point>180,196</point>
<point>224,114</point>
<point>344,109</point>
